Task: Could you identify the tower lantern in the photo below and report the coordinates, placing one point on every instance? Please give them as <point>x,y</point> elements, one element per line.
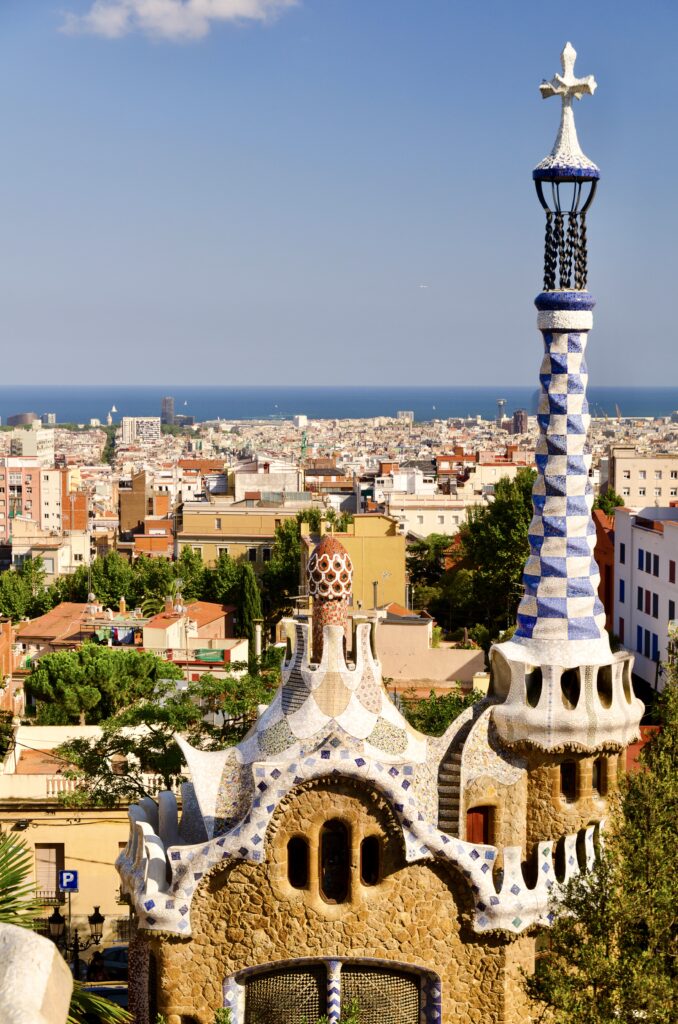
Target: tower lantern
<point>566,182</point>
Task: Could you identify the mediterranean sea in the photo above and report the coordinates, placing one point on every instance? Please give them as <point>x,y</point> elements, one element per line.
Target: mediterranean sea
<point>80,404</point>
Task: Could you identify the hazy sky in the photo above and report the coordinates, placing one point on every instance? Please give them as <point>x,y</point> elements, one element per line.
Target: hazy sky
<point>335,191</point>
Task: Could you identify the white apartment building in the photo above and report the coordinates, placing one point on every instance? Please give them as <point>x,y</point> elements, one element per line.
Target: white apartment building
<point>404,482</point>
<point>140,428</point>
<point>646,580</point>
<point>33,443</point>
<point>61,554</point>
<point>421,515</point>
<point>642,479</point>
<point>50,499</point>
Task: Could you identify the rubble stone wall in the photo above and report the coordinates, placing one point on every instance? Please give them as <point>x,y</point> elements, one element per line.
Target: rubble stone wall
<point>246,914</point>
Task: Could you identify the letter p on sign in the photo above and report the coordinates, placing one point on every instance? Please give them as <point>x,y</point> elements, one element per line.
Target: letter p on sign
<point>68,881</point>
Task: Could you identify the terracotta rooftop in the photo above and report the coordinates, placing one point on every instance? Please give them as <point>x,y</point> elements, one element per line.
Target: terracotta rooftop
<point>64,620</point>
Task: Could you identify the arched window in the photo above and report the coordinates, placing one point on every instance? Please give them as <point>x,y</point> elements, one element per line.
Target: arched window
<point>599,776</point>
<point>568,781</point>
<point>370,851</point>
<point>297,862</point>
<point>335,861</point>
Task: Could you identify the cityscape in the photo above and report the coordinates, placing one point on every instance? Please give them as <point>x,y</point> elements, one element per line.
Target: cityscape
<point>352,702</point>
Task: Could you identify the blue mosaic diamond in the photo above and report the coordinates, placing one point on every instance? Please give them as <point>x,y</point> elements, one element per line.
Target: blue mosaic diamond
<point>335,742</point>
<point>482,920</point>
<point>197,876</point>
<point>256,839</point>
<point>149,904</point>
<point>494,901</point>
<point>150,920</point>
<point>515,889</point>
<point>262,786</point>
<point>175,855</point>
<point>325,754</point>
<point>485,868</point>
<point>393,772</point>
<point>169,904</point>
<point>406,784</point>
<point>360,761</point>
<point>516,922</point>
<point>183,910</point>
<point>474,855</point>
<point>481,906</point>
<point>276,773</point>
<point>243,851</point>
<point>183,924</point>
<point>408,770</point>
<point>546,868</point>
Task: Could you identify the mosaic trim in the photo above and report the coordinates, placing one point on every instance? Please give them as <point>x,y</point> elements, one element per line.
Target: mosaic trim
<point>166,907</point>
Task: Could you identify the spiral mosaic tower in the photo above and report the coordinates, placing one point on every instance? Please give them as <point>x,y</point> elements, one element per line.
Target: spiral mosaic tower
<point>561,620</point>
<point>330,576</point>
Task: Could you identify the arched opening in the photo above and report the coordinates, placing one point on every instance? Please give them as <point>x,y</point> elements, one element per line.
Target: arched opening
<point>370,857</point>
<point>559,859</point>
<point>288,995</point>
<point>297,862</point>
<point>628,689</point>
<point>570,688</point>
<point>335,860</point>
<point>599,776</point>
<point>533,685</point>
<point>581,849</point>
<point>568,781</point>
<point>604,685</point>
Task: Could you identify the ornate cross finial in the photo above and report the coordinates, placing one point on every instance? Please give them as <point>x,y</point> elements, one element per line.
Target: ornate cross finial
<point>566,85</point>
<point>567,153</point>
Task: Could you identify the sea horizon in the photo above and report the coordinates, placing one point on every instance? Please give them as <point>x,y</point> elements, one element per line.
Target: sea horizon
<point>81,403</point>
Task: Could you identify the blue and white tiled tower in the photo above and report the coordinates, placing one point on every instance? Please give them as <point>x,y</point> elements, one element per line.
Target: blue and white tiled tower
<point>562,684</point>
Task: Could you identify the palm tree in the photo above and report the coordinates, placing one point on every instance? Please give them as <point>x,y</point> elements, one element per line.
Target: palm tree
<point>19,906</point>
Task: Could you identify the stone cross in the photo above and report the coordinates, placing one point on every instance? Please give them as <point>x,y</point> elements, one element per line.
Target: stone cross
<point>567,149</point>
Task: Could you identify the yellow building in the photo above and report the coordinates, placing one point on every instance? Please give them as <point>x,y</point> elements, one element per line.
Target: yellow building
<point>377,551</point>
<point>245,529</point>
<point>87,840</point>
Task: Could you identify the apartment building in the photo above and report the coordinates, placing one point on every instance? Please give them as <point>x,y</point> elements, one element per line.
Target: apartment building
<point>641,479</point>
<point>646,581</point>
<point>140,428</point>
<point>19,492</point>
<point>242,529</point>
<point>33,443</point>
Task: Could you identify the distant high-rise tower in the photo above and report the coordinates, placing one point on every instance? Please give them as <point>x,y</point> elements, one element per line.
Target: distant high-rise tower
<point>520,421</point>
<point>167,410</point>
<point>501,411</point>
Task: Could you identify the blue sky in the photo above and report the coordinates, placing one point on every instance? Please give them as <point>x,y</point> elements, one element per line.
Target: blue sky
<point>187,196</point>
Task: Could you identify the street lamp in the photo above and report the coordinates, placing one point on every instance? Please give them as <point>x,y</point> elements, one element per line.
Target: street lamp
<point>56,923</point>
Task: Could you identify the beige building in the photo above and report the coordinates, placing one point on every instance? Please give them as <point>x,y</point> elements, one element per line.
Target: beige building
<point>61,553</point>
<point>245,530</point>
<point>642,480</point>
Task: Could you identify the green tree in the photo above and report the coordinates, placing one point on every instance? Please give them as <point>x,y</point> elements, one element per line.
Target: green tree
<point>495,545</point>
<point>608,501</point>
<point>281,574</point>
<point>138,741</point>
<point>612,953</point>
<point>112,578</point>
<point>433,714</point>
<point>425,559</point>
<point>223,582</point>
<point>92,683</point>
<point>190,569</point>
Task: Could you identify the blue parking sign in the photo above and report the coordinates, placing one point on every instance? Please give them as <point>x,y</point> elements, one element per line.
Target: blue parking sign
<point>68,881</point>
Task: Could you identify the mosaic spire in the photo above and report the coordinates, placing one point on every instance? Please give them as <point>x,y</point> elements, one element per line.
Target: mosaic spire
<point>560,603</point>
<point>557,681</point>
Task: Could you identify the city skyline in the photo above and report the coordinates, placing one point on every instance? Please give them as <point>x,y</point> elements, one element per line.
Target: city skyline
<point>313,180</point>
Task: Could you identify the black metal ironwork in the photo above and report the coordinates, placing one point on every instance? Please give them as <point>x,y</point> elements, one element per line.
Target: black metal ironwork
<point>565,250</point>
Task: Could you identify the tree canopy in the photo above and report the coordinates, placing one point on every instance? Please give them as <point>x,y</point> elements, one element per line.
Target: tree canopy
<point>613,951</point>
<point>608,501</point>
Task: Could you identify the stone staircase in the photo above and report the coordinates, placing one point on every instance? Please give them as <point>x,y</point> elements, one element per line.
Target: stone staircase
<point>449,775</point>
